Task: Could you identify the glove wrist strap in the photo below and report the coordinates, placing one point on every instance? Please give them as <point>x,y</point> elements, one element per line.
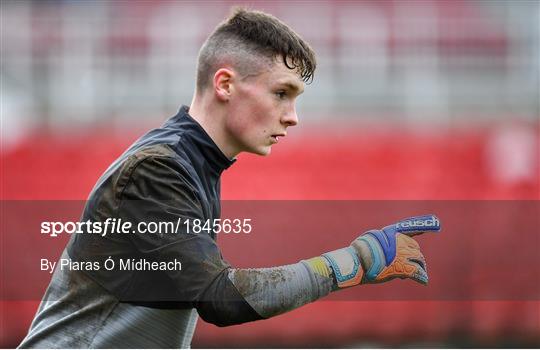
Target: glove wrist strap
<point>345,266</point>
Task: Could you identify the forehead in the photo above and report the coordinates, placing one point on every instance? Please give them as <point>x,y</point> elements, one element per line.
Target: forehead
<point>279,74</point>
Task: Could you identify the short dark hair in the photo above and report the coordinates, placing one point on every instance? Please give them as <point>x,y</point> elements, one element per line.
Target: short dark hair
<point>246,37</point>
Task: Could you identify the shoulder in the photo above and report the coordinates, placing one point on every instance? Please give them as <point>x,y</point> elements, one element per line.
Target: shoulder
<point>157,169</point>
<point>149,174</point>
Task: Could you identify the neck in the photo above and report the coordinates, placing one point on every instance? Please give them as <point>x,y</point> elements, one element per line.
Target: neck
<point>212,119</point>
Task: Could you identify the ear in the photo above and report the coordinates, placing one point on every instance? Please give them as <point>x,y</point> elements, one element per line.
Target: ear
<point>223,83</point>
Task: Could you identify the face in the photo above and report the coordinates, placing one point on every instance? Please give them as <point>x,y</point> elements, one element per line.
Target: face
<point>261,108</point>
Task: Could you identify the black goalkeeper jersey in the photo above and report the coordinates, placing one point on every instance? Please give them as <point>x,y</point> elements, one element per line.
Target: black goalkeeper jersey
<point>170,173</point>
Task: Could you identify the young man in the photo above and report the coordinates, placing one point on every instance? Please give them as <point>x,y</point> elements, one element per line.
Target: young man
<point>250,71</point>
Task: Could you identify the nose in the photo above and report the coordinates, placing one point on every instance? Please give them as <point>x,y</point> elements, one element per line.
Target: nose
<point>290,118</point>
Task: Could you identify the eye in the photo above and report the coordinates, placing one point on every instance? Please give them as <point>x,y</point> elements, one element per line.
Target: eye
<point>281,94</point>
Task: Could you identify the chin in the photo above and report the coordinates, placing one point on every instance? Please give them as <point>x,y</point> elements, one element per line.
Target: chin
<point>261,151</point>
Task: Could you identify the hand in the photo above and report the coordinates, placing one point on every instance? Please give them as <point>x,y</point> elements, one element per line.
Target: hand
<point>391,252</point>
<point>381,255</point>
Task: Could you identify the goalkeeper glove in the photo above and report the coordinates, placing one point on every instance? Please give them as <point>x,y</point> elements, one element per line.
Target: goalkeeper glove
<point>379,255</point>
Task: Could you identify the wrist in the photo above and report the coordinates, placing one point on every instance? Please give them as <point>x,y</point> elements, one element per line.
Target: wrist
<point>342,265</point>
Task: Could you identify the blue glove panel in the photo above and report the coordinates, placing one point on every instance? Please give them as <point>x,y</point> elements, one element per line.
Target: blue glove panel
<point>387,236</point>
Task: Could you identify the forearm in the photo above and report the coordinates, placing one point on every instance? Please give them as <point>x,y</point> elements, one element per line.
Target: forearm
<point>275,290</point>
<point>242,295</point>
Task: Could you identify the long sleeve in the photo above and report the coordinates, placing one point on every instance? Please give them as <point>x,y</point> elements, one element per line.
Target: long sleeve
<point>158,190</point>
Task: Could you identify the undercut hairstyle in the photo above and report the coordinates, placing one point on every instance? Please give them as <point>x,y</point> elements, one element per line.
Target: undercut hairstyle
<point>250,41</point>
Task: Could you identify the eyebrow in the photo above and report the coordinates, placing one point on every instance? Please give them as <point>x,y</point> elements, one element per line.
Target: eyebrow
<point>294,87</point>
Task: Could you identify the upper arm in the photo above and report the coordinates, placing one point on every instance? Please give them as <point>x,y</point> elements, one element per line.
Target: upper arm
<point>159,189</point>
<point>154,189</point>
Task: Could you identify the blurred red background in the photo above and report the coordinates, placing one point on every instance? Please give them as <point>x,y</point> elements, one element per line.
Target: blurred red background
<point>412,100</point>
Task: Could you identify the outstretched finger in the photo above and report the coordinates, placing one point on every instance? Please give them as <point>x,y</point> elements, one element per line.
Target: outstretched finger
<point>417,225</point>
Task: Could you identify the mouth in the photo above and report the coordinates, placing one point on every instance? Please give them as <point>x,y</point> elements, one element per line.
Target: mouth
<point>275,137</point>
